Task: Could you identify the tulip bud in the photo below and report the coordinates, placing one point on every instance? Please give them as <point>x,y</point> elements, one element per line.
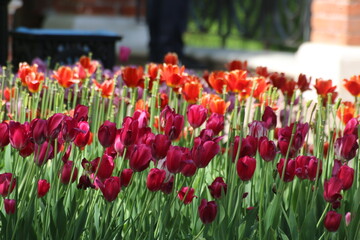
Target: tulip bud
<point>70,129</point>
<point>189,169</point>
<point>207,211</point>
<point>10,206</point>
<point>346,147</point>
<point>125,177</point>
<point>129,131</point>
<point>347,218</point>
<point>106,166</point>
<point>155,179</point>
<point>140,157</point>
<point>4,133</point>
<point>346,175</point>
<point>66,171</point>
<point>18,135</point>
<point>217,187</point>
<point>306,167</point>
<point>215,123</point>
<point>186,194</point>
<point>289,169</point>
<point>42,188</point>
<point>38,127</point>
<point>110,188</point>
<point>174,161</point>
<point>196,115</point>
<point>248,147</point>
<point>7,184</point>
<point>332,221</point>
<point>43,153</point>
<point>267,149</point>
<point>245,168</point>
<point>204,151</point>
<point>54,125</point>
<point>161,146</point>
<point>269,117</point>
<point>107,134</point>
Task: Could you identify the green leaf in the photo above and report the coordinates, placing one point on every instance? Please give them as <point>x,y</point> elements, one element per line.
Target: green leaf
<point>80,223</point>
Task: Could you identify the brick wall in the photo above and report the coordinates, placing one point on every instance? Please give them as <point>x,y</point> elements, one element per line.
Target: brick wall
<point>107,7</point>
<point>336,21</point>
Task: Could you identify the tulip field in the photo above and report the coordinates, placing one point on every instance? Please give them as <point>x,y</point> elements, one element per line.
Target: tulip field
<point>165,152</point>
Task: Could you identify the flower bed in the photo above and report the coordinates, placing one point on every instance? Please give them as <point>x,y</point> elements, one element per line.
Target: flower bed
<point>162,152</point>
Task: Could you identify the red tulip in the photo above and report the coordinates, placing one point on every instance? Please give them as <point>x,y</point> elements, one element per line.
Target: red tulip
<point>186,194</point>
<point>353,85</point>
<point>332,221</point>
<point>28,149</point>
<point>217,187</point>
<point>248,147</point>
<point>4,133</point>
<point>66,171</point>
<point>18,135</point>
<point>161,146</point>
<point>54,125</point>
<point>189,169</point>
<point>278,79</point>
<point>289,169</point>
<point>303,83</point>
<point>323,88</point>
<point>207,211</point>
<point>125,177</point>
<point>38,128</point>
<point>257,129</point>
<point>269,117</point>
<point>174,159</point>
<point>106,166</point>
<point>173,123</point>
<point>351,127</point>
<point>236,65</point>
<point>245,168</point>
<point>132,76</point>
<point>284,136</point>
<point>155,179</point>
<point>140,157</point>
<point>306,167</point>
<point>107,133</point>
<point>332,189</point>
<point>81,113</point>
<point>171,58</point>
<point>70,129</point>
<point>129,131</point>
<point>83,137</point>
<point>346,147</point>
<point>196,115</point>
<point>204,151</point>
<point>65,76</point>
<point>10,206</point>
<point>110,188</point>
<point>118,145</point>
<point>84,183</point>
<point>267,149</point>
<point>167,187</point>
<point>7,184</point>
<point>42,188</point>
<point>43,153</point>
<point>215,123</point>
<point>346,175</point>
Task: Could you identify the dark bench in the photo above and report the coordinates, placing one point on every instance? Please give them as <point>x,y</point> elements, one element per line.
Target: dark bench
<point>63,46</point>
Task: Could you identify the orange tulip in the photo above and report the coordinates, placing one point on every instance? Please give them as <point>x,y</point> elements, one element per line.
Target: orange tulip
<point>9,93</point>
<point>346,111</point>
<point>86,67</point>
<point>206,98</point>
<point>33,81</point>
<point>164,100</point>
<point>237,81</point>
<point>218,80</point>
<point>65,76</point>
<point>24,70</point>
<point>218,106</point>
<point>140,105</point>
<point>106,88</point>
<point>237,65</point>
<point>173,75</point>
<point>171,58</point>
<point>323,87</point>
<point>153,70</point>
<point>260,87</point>
<point>353,85</point>
<point>132,76</point>
<point>191,89</point>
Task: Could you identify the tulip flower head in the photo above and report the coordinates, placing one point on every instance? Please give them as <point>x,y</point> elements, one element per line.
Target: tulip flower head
<point>207,211</point>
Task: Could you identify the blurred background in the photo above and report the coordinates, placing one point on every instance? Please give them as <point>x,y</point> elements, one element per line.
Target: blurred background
<point>318,37</point>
